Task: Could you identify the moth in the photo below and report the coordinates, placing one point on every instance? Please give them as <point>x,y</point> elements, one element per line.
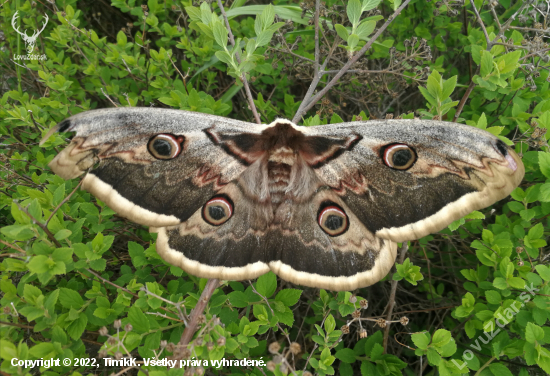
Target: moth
<point>320,206</point>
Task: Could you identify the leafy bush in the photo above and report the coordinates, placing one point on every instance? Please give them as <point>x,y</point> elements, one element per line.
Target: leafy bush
<point>79,282</point>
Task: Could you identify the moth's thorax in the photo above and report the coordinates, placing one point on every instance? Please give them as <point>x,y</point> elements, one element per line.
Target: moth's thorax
<point>279,178</point>
<point>283,155</point>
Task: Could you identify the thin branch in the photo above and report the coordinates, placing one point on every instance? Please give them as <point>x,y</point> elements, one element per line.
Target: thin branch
<point>13,246</point>
<point>243,77</point>
<point>64,201</point>
<point>181,75</point>
<point>307,103</point>
<point>391,302</point>
<point>482,25</point>
<point>316,20</point>
<point>289,51</point>
<point>196,313</point>
<point>367,71</point>
<point>111,283</point>
<point>41,225</point>
<point>183,317</point>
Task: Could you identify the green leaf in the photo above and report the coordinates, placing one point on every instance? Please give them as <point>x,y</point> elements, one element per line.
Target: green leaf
<point>63,234</point>
<point>434,85</point>
<point>43,350</point>
<point>268,16</point>
<point>267,284</point>
<point>207,30</point>
<point>369,4</point>
<point>138,320</point>
<point>536,231</point>
<point>544,195</point>
<point>354,11</point>
<point>544,163</point>
<point>493,297</point>
<point>31,293</point>
<point>511,61</point>
<point>533,333</point>
<point>194,13</point>
<point>486,63</point>
<point>500,283</point>
<point>220,34</point>
<point>516,282</point>
<point>441,337</point>
<point>330,324</point>
<point>431,100</point>
<point>238,299</point>
<point>70,298</point>
<point>18,232</point>
<point>121,38</point>
<point>499,369</point>
<point>433,356</point>
<point>39,264</point>
<point>76,328</point>
<point>421,340</point>
<point>286,317</point>
<point>345,355</point>
<point>353,40</point>
<point>264,38</point>
<point>448,87</point>
<point>365,29</point>
<point>342,31</point>
<point>544,272</point>
<point>289,297</point>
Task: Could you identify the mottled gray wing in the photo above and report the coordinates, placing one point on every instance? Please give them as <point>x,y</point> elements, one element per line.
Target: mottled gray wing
<point>457,169</point>
<point>154,166</point>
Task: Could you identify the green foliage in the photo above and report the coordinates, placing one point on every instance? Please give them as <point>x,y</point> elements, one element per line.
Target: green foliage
<point>360,29</point>
<point>79,282</point>
<point>438,93</point>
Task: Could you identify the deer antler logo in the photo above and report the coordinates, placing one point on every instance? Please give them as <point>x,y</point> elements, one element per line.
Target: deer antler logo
<point>30,41</point>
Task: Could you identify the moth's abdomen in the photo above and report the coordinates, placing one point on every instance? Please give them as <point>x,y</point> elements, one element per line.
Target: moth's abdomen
<point>278,177</point>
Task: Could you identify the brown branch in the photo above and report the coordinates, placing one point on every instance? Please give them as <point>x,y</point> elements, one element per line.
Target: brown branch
<point>391,302</point>
<point>465,97</point>
<point>12,246</point>
<point>316,21</point>
<point>196,313</point>
<point>307,103</point>
<point>243,77</point>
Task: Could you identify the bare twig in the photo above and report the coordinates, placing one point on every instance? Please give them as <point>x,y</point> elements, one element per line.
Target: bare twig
<point>111,283</point>
<point>243,77</point>
<point>191,328</point>
<point>13,246</point>
<point>391,302</point>
<point>108,97</point>
<point>181,75</point>
<point>316,20</point>
<point>482,25</point>
<point>178,305</point>
<point>308,102</point>
<point>34,121</point>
